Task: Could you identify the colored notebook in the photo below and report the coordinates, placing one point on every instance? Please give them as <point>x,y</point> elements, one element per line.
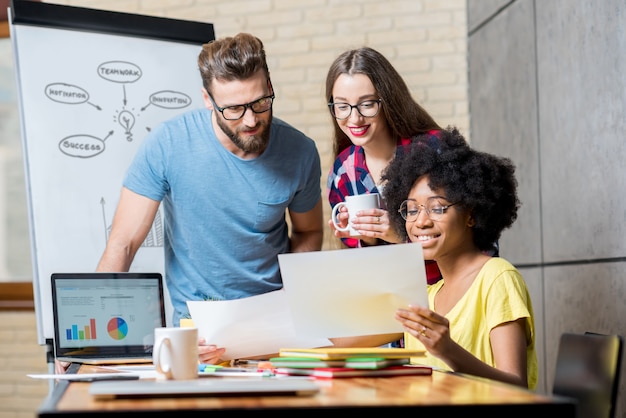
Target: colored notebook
<point>351,362</point>
<point>342,353</point>
<point>339,372</point>
<point>106,318</point>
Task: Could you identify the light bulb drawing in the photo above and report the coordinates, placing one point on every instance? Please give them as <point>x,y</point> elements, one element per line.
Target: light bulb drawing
<point>126,120</point>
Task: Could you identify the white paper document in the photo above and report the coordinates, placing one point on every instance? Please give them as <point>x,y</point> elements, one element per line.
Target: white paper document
<point>351,292</point>
<point>249,327</point>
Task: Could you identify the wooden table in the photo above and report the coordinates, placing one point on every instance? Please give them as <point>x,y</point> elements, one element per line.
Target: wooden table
<point>442,392</point>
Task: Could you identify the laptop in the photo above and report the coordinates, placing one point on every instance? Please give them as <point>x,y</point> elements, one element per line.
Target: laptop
<point>106,318</point>
<point>351,292</point>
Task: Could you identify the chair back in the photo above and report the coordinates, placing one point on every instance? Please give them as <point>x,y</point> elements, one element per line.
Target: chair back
<point>588,370</point>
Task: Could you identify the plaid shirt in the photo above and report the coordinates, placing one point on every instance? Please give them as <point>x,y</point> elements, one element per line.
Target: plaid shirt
<point>350,176</point>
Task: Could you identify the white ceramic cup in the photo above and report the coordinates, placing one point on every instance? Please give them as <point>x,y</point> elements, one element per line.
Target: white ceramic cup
<point>354,204</point>
<point>175,353</point>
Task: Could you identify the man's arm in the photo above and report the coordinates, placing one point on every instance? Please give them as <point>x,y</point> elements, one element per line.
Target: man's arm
<point>307,229</point>
<point>131,224</point>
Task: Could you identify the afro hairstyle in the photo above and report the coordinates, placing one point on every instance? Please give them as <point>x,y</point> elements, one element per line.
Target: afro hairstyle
<point>480,183</point>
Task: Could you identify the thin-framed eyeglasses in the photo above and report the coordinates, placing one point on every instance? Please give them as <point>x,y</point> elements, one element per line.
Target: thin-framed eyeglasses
<point>409,210</point>
<point>236,112</point>
<point>366,108</point>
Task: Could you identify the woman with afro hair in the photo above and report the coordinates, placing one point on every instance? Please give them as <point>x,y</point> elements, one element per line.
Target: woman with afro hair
<point>456,201</point>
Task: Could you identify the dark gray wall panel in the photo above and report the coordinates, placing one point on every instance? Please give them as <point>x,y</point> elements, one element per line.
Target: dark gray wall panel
<point>503,115</point>
<point>581,55</point>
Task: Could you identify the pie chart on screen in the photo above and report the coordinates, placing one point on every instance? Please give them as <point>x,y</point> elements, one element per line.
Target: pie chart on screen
<point>117,328</point>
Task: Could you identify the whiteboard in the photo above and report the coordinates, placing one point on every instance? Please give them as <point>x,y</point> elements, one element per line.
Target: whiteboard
<point>88,95</point>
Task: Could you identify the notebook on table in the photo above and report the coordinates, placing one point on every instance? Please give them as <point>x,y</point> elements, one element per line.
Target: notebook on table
<point>106,318</point>
<point>368,363</point>
<point>342,353</point>
<point>342,372</point>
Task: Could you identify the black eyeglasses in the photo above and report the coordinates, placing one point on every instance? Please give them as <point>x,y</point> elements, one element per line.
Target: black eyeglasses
<point>409,210</point>
<point>366,108</point>
<point>236,112</point>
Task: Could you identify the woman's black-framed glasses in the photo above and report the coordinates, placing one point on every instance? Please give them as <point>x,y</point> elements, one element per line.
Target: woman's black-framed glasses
<point>236,112</point>
<point>366,108</point>
<point>409,210</point>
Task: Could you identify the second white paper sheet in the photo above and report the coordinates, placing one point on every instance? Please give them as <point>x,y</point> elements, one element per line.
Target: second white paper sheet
<point>248,327</point>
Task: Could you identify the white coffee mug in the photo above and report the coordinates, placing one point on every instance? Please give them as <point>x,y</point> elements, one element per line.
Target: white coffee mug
<point>354,204</point>
<point>175,353</point>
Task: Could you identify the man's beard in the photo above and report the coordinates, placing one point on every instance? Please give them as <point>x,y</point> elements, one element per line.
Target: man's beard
<point>254,144</point>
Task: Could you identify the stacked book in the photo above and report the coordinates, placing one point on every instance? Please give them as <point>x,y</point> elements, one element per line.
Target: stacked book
<point>347,362</point>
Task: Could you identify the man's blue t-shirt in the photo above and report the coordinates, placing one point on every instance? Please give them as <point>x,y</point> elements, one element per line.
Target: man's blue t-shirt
<point>224,216</point>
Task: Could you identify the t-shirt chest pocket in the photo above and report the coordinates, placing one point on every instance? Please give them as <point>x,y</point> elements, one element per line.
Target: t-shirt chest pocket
<point>269,214</point>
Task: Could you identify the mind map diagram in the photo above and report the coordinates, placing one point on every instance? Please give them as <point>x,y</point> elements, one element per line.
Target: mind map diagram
<point>82,145</point>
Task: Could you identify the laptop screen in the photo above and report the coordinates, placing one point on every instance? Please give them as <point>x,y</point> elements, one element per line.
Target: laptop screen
<point>106,314</point>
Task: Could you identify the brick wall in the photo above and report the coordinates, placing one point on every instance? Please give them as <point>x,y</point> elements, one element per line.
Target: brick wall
<point>425,40</point>
<point>20,354</point>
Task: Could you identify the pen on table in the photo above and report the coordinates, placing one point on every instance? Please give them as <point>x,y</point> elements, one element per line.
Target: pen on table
<point>208,368</point>
<point>211,370</point>
<point>243,362</point>
<point>253,365</point>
